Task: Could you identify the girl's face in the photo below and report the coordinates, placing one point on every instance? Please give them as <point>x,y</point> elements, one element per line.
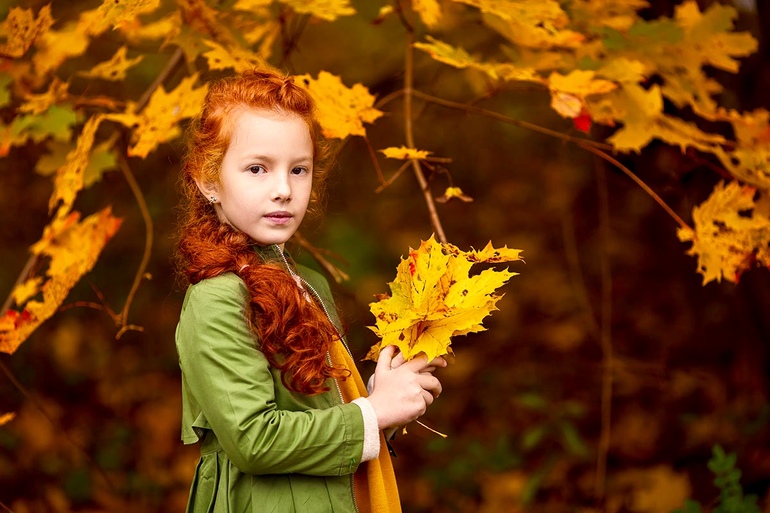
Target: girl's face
<point>266,175</point>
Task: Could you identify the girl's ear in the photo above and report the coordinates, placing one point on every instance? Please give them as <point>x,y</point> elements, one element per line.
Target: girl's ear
<point>209,190</point>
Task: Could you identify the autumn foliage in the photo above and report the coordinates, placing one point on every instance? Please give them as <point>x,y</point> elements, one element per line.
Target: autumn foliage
<point>618,82</point>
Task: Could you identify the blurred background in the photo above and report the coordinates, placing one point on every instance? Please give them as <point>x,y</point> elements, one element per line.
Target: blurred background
<point>97,424</point>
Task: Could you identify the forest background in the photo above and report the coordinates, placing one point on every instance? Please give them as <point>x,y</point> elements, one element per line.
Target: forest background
<point>621,144</point>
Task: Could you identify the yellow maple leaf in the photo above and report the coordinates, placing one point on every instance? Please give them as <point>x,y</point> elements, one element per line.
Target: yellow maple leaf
<point>22,28</point>
<point>236,58</point>
<point>539,24</point>
<point>342,111</point>
<point>159,121</point>
<point>114,13</point>
<point>69,178</point>
<point>428,10</point>
<point>328,10</point>
<point>164,28</point>
<point>708,31</point>
<point>72,248</point>
<point>23,291</point>
<point>56,46</point>
<point>404,153</point>
<point>730,235</point>
<point>434,298</point>
<point>454,192</point>
<point>461,59</point>
<point>39,103</point>
<point>115,68</point>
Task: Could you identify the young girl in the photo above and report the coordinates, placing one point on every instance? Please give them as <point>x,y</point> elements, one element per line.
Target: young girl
<point>269,387</point>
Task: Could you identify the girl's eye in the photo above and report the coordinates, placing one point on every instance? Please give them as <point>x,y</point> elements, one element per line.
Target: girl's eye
<point>299,170</point>
<point>257,169</point>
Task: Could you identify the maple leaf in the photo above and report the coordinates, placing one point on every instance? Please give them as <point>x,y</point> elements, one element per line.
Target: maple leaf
<point>730,233</point>
<point>404,153</point>
<point>428,10</point>
<point>39,103</point>
<point>69,178</point>
<point>165,28</point>
<point>56,122</point>
<point>529,23</point>
<point>342,111</point>
<point>454,192</point>
<point>115,68</point>
<point>71,248</point>
<point>434,298</point>
<point>328,10</point>
<point>114,13</point>
<point>461,59</point>
<point>22,28</point>
<point>56,46</point>
<point>236,58</point>
<point>159,121</point>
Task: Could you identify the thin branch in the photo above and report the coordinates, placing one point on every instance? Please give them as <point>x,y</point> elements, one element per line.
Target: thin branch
<point>373,156</point>
<point>148,238</point>
<point>338,274</point>
<point>23,275</point>
<point>171,65</point>
<point>505,119</point>
<point>606,334</point>
<point>393,178</point>
<point>638,182</point>
<point>587,144</point>
<point>408,129</point>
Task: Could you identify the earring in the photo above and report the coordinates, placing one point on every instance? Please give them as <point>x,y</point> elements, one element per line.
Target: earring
<point>212,199</point>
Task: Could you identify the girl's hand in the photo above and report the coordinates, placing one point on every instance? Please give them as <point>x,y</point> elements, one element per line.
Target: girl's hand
<point>402,394</point>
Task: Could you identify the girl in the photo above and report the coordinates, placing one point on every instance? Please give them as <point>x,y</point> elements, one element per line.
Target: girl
<point>268,386</point>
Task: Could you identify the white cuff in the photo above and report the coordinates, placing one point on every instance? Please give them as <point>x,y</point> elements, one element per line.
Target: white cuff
<point>371,429</point>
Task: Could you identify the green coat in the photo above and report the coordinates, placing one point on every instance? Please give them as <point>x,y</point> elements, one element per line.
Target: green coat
<point>264,448</point>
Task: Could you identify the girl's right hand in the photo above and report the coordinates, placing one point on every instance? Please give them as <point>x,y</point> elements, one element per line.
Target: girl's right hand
<point>403,390</point>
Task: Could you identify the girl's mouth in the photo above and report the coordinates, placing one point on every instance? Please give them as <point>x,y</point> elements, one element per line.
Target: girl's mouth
<point>280,217</point>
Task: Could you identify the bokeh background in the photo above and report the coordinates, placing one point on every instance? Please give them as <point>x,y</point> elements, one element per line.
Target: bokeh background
<point>98,419</point>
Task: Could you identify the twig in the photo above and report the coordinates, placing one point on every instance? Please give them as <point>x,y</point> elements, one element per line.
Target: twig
<point>408,129</point>
<point>148,237</point>
<point>171,65</point>
<point>637,180</point>
<point>505,119</point>
<point>587,144</point>
<point>338,274</point>
<point>373,156</point>
<point>393,178</point>
<point>606,334</point>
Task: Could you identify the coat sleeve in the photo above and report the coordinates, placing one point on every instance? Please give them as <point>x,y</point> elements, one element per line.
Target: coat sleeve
<point>232,383</point>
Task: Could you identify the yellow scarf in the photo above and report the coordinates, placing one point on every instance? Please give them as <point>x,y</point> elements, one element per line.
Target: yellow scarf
<point>374,481</point>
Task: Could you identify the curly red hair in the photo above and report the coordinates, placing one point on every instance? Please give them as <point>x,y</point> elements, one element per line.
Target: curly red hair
<point>293,333</point>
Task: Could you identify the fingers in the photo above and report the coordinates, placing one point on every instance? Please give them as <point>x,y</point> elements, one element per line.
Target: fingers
<point>385,359</point>
<point>430,384</point>
<point>397,361</point>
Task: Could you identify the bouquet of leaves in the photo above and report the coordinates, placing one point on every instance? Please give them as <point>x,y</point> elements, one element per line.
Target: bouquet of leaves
<point>434,298</point>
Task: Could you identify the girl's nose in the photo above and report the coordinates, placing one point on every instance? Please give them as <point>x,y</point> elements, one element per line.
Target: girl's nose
<point>281,187</point>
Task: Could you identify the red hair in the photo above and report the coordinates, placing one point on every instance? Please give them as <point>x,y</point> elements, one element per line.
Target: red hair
<point>293,333</point>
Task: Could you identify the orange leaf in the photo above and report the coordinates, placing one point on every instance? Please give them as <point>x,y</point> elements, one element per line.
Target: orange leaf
<point>72,248</point>
<point>22,28</point>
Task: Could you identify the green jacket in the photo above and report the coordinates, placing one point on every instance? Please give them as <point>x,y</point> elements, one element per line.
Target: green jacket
<point>264,448</point>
